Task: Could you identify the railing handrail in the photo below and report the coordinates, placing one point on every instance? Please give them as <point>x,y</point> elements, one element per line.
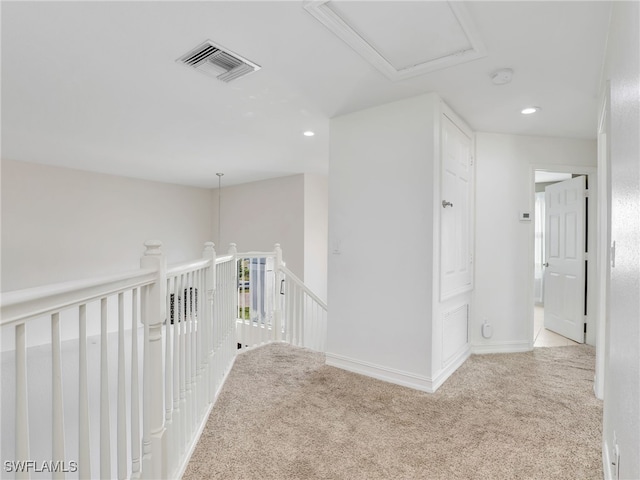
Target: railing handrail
<point>223,259</point>
<point>255,254</point>
<point>188,267</point>
<point>33,302</point>
<point>28,303</point>
<point>302,285</point>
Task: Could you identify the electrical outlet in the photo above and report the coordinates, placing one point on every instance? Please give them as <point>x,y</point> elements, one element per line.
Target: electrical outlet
<point>487,330</point>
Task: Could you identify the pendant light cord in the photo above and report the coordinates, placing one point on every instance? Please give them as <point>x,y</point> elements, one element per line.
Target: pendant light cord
<point>219,207</point>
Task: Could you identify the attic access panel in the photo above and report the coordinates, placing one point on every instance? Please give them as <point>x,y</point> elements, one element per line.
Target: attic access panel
<point>403,39</point>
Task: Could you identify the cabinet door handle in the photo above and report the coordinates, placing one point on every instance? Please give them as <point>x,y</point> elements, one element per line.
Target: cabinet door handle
<point>446,204</point>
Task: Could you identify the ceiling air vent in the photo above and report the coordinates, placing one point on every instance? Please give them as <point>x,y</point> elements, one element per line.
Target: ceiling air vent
<point>216,61</point>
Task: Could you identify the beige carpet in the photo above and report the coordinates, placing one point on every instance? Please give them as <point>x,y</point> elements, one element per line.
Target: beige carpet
<point>283,414</point>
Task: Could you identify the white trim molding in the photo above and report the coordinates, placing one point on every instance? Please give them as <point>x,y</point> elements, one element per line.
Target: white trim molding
<point>501,347</point>
<point>456,361</point>
<point>398,377</point>
<point>391,375</point>
<point>606,461</point>
<point>321,10</point>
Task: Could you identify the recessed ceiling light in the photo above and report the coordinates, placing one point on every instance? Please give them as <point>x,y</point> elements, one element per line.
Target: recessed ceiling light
<point>530,110</point>
<point>308,133</point>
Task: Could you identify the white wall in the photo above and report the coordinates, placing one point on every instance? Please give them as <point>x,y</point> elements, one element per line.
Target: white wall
<point>291,211</point>
<point>622,372</point>
<point>257,215</point>
<point>381,239</point>
<point>503,266</point>
<point>316,219</point>
<point>61,224</point>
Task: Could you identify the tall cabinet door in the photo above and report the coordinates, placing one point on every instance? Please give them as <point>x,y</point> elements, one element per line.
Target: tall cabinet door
<point>455,210</point>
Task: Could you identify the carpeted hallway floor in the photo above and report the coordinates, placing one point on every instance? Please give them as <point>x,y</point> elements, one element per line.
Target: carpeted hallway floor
<point>283,414</point>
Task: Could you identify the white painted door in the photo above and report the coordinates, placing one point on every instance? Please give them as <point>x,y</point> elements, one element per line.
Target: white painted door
<point>565,246</point>
<point>455,211</point>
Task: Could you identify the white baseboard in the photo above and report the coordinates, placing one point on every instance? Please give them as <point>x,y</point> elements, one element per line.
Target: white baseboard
<point>391,375</point>
<point>501,347</point>
<point>606,461</point>
<point>451,367</point>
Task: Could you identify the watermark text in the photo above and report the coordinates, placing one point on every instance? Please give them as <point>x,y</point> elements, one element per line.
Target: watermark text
<point>33,466</point>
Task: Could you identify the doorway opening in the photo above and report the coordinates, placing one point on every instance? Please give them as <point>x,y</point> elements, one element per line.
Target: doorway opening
<point>562,305</point>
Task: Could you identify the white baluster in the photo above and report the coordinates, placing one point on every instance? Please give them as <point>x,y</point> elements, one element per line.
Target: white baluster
<point>155,463</point>
<point>260,300</point>
<point>231,300</point>
<point>229,297</point>
<point>177,412</point>
<point>57,437</point>
<point>201,327</point>
<point>311,324</point>
<point>183,369</point>
<point>168,379</point>
<point>84,444</point>
<point>22,410</point>
<point>209,286</point>
<point>245,326</point>
<point>135,389</point>
<point>194,364</point>
<point>294,311</point>
<point>220,330</point>
<point>318,327</point>
<point>187,357</point>
<point>122,395</point>
<point>146,429</point>
<point>195,350</point>
<point>300,296</point>
<point>299,318</point>
<point>277,314</point>
<point>291,321</point>
<point>105,434</point>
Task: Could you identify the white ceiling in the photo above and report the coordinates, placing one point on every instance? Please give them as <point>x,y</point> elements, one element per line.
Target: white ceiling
<point>95,85</point>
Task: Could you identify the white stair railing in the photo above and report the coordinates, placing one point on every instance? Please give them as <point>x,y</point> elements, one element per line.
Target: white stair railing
<point>92,456</point>
<point>140,415</point>
<point>304,314</point>
<point>256,293</point>
<point>274,305</point>
<point>171,335</point>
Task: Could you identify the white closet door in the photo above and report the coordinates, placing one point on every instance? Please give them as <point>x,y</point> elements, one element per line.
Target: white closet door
<point>455,211</point>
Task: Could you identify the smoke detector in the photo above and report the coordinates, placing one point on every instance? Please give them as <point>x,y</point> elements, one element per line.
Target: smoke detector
<point>502,76</point>
<point>216,61</point>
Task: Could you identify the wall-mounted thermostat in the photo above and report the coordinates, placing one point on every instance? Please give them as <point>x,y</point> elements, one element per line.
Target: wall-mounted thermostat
<point>525,216</point>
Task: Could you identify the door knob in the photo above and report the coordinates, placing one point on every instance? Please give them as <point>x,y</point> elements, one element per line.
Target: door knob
<point>545,264</point>
<point>446,204</point>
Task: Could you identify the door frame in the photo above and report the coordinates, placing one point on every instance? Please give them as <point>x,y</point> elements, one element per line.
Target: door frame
<point>604,240</point>
<point>593,282</point>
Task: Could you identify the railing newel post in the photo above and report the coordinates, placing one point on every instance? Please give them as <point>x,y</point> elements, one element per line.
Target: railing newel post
<point>277,313</point>
<point>232,310</point>
<point>210,286</point>
<point>154,460</point>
